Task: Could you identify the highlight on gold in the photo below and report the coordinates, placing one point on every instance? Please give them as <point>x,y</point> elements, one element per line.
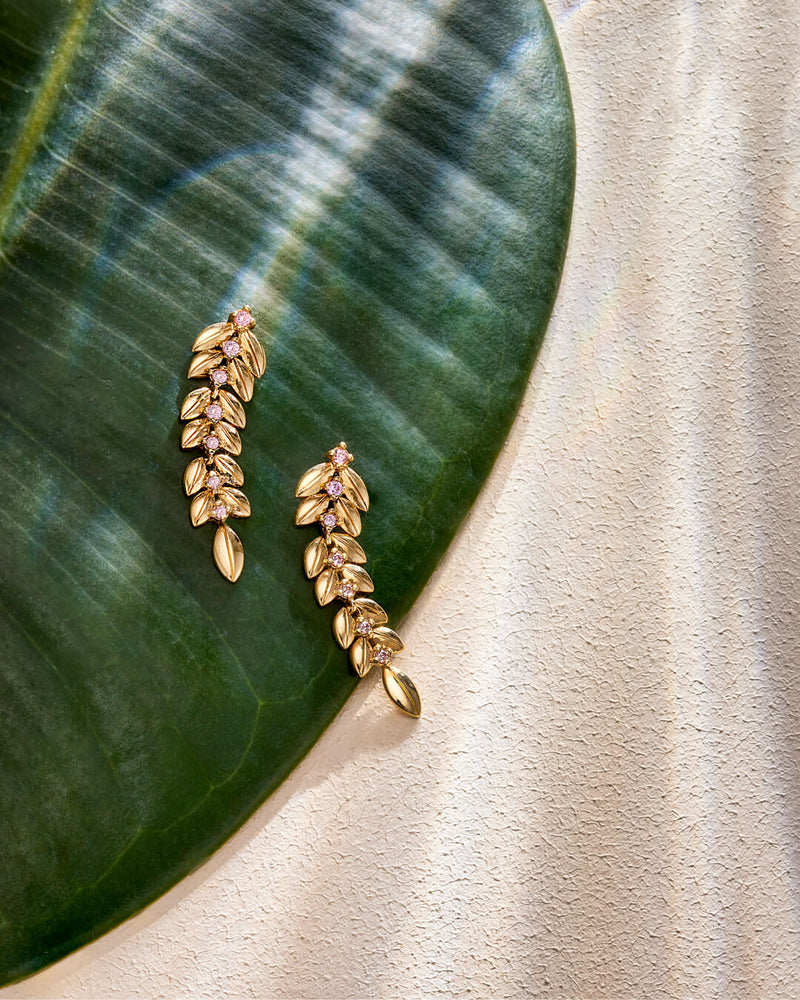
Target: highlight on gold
<point>333,496</point>
<point>230,357</point>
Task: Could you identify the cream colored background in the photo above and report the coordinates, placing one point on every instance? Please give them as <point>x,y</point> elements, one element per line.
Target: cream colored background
<point>603,798</point>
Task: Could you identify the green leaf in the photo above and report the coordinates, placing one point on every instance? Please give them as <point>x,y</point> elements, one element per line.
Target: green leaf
<point>389,185</point>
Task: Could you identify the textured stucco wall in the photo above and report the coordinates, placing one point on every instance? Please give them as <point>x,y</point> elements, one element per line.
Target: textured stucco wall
<point>603,798</point>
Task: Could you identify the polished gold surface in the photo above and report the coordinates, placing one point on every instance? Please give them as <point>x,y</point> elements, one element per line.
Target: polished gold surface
<point>331,496</point>
<point>231,357</point>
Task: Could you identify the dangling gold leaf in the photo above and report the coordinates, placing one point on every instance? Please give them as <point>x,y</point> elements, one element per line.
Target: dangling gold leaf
<point>228,553</point>
<point>211,336</point>
<point>372,610</point>
<point>202,363</point>
<point>315,557</point>
<point>349,548</point>
<point>349,518</point>
<point>359,577</point>
<point>194,475</point>
<point>326,585</point>
<point>309,509</point>
<point>389,638</point>
<point>313,480</point>
<point>361,656</point>
<point>232,409</point>
<point>193,434</point>
<point>355,488</point>
<point>240,378</point>
<point>402,691</point>
<point>195,403</point>
<point>237,503</point>
<point>228,437</point>
<point>253,353</point>
<point>200,507</point>
<point>343,627</point>
<point>226,466</point>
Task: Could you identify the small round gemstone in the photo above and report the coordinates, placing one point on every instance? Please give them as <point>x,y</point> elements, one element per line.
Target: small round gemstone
<point>220,511</point>
<point>230,348</point>
<point>382,656</point>
<point>334,488</point>
<point>212,442</point>
<point>347,590</point>
<point>364,626</point>
<point>213,482</point>
<point>214,411</point>
<point>329,520</point>
<point>336,560</point>
<point>339,456</point>
<point>242,318</point>
<point>219,376</point>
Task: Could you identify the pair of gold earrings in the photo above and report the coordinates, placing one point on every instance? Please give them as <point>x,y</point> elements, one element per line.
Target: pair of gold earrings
<point>332,496</point>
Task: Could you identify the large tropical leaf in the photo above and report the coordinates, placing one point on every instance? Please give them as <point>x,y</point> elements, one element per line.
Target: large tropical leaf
<point>388,182</point>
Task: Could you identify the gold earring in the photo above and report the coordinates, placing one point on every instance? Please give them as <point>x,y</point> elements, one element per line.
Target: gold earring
<point>333,496</point>
<point>228,354</point>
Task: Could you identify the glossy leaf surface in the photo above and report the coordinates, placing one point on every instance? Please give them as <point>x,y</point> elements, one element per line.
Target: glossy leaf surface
<point>389,185</point>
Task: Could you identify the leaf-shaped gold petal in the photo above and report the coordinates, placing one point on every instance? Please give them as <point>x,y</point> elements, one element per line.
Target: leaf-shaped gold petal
<point>313,480</point>
<point>326,585</point>
<point>194,475</point>
<point>240,378</point>
<point>358,576</point>
<point>349,548</point>
<point>228,553</point>
<point>232,409</point>
<point>348,515</point>
<point>202,363</point>
<point>343,628</point>
<point>211,336</point>
<point>372,610</point>
<point>402,691</point>
<point>315,557</point>
<point>200,507</point>
<point>228,437</point>
<point>389,638</point>
<point>354,487</point>
<point>309,509</point>
<point>226,466</point>
<point>195,403</point>
<point>237,503</point>
<point>361,656</point>
<point>253,353</point>
<point>193,433</point>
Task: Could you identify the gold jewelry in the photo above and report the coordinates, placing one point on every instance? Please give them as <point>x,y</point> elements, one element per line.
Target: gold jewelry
<point>228,354</point>
<point>333,495</point>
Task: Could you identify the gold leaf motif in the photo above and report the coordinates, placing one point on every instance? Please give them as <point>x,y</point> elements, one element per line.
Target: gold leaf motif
<point>315,557</point>
<point>227,467</point>
<point>237,503</point>
<point>402,691</point>
<point>355,488</point>
<point>211,336</point>
<point>193,434</point>
<point>349,548</point>
<point>361,656</point>
<point>200,507</point>
<point>372,610</point>
<point>349,518</point>
<point>343,628</point>
<point>228,437</point>
<point>228,553</point>
<point>389,638</point>
<point>313,480</point>
<point>253,353</point>
<point>309,509</point>
<point>240,378</point>
<point>194,476</point>
<point>202,363</point>
<point>326,585</point>
<point>232,409</point>
<point>195,403</point>
<point>359,577</point>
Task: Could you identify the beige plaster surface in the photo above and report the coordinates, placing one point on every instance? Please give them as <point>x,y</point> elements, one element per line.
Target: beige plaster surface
<point>603,798</point>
